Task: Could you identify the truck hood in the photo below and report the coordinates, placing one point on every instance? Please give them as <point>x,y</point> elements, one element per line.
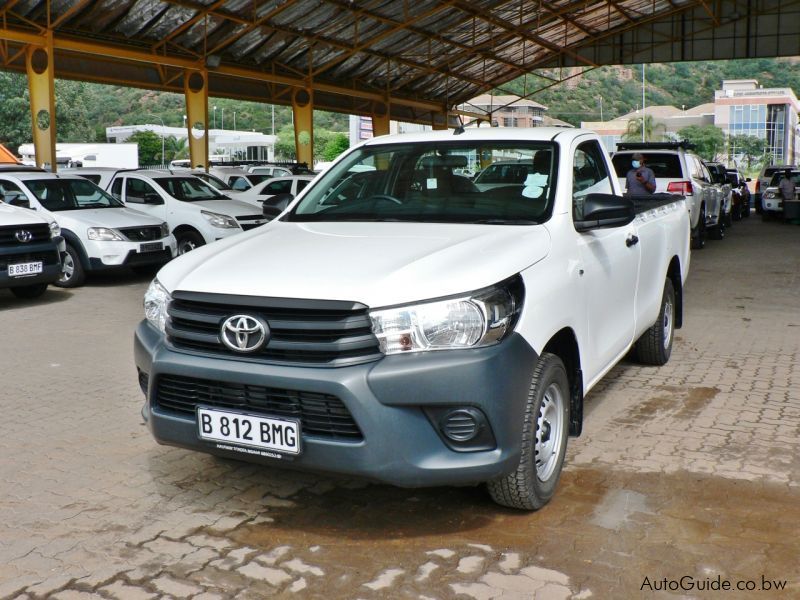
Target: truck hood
<point>114,218</point>
<point>14,215</point>
<point>378,264</point>
<point>232,208</point>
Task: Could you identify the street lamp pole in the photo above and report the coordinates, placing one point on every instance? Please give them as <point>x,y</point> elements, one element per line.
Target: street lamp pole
<point>215,117</point>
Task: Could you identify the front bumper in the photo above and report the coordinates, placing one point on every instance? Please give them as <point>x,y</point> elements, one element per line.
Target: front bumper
<point>389,399</point>
<point>110,255</point>
<point>49,253</point>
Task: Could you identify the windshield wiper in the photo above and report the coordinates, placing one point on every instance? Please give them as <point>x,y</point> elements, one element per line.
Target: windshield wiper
<point>502,222</point>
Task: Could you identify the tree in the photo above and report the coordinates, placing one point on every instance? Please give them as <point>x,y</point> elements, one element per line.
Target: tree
<point>337,144</point>
<point>15,112</point>
<point>149,147</point>
<point>709,139</point>
<point>633,133</point>
<point>284,146</point>
<point>747,148</point>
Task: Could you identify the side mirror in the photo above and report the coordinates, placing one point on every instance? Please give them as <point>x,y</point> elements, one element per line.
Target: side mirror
<point>270,212</point>
<point>748,180</point>
<point>602,211</point>
<point>279,201</point>
<point>152,198</point>
<point>17,199</point>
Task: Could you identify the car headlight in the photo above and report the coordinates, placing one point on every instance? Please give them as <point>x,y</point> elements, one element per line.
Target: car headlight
<point>474,320</point>
<point>218,220</point>
<point>55,230</point>
<point>164,230</point>
<point>156,301</point>
<point>103,234</point>
<point>769,194</point>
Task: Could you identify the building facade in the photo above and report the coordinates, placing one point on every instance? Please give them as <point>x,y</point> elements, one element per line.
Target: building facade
<point>507,111</point>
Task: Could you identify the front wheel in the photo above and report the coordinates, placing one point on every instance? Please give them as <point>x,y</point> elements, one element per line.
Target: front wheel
<point>73,274</point>
<point>544,440</point>
<point>29,291</point>
<point>655,345</point>
<point>188,241</point>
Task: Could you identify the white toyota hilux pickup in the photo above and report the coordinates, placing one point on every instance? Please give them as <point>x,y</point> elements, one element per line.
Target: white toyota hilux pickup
<point>401,323</point>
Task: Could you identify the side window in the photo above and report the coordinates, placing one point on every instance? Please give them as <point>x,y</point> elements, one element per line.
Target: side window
<point>589,176</point>
<point>239,184</point>
<point>136,190</point>
<point>7,187</point>
<point>301,185</point>
<point>278,187</point>
<point>116,188</point>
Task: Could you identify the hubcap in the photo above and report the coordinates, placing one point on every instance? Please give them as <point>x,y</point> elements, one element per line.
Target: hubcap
<point>667,324</point>
<point>186,246</point>
<point>69,269</point>
<point>549,432</point>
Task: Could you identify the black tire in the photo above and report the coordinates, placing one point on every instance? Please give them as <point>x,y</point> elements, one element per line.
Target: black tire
<point>654,347</point>
<point>188,241</point>
<point>544,440</point>
<point>718,231</point>
<point>29,291</point>
<point>746,209</point>
<point>74,274</point>
<point>736,211</point>
<point>699,232</point>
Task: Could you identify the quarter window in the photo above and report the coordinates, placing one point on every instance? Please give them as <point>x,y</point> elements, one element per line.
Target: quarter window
<point>589,176</point>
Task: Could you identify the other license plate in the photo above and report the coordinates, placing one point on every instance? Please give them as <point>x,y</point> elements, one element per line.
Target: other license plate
<point>151,247</point>
<point>279,435</point>
<point>21,269</point>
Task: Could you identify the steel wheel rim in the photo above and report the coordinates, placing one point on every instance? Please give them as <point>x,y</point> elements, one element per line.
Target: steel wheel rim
<point>667,323</point>
<point>186,246</point>
<point>68,269</point>
<point>549,432</point>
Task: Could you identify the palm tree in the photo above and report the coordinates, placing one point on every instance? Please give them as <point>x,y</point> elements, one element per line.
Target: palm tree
<point>633,132</point>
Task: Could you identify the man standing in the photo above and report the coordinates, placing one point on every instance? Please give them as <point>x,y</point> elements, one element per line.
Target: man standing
<point>640,180</point>
<point>787,187</point>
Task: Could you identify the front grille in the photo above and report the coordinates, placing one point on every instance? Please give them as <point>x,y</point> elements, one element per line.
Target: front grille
<point>47,258</point>
<point>142,234</point>
<point>322,333</point>
<point>320,415</point>
<point>39,232</point>
<point>148,258</point>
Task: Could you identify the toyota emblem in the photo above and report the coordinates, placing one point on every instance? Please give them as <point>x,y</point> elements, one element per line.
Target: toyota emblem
<point>23,236</point>
<point>243,333</point>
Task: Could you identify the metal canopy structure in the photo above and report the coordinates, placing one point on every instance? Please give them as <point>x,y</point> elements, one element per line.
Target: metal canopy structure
<point>414,60</point>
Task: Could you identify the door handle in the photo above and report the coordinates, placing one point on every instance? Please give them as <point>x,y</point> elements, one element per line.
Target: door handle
<point>631,241</point>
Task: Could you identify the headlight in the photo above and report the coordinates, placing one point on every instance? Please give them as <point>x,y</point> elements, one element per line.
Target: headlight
<point>55,230</point>
<point>156,301</point>
<point>218,220</point>
<point>769,194</point>
<point>164,230</point>
<point>474,320</point>
<point>103,234</point>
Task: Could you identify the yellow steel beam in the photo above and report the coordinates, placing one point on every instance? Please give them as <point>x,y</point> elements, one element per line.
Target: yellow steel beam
<point>303,110</point>
<point>39,64</point>
<point>195,89</point>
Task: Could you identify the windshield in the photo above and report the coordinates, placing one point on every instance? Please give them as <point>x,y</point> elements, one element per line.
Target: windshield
<point>256,178</point>
<point>423,182</point>
<point>70,194</point>
<point>213,181</point>
<point>188,189</point>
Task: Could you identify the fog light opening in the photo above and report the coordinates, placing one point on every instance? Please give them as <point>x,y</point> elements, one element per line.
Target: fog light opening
<point>460,425</point>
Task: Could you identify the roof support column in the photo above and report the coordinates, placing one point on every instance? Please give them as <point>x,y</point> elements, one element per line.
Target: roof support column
<point>303,111</point>
<point>195,89</point>
<point>380,119</point>
<point>439,121</point>
<point>39,64</point>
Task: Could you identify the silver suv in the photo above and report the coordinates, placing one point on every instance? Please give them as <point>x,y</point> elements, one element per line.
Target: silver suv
<point>679,171</point>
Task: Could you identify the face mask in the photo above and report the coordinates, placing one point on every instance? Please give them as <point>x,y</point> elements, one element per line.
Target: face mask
<point>636,164</point>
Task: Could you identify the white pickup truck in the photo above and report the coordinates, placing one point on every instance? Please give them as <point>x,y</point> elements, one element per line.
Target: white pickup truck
<point>401,323</point>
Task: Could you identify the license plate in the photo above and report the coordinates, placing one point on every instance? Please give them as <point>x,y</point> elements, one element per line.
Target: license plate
<point>151,247</point>
<point>265,433</point>
<point>22,269</point>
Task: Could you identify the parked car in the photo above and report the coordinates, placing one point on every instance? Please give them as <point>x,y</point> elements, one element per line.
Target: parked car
<point>719,176</point>
<point>415,333</point>
<point>196,213</point>
<point>269,170</point>
<point>31,247</point>
<point>741,194</point>
<point>237,178</point>
<point>678,170</point>
<point>763,181</point>
<point>772,200</point>
<point>99,232</point>
<point>264,191</point>
<point>215,182</point>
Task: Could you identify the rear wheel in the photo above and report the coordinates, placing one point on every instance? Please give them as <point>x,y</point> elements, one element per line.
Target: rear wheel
<point>654,347</point>
<point>718,231</point>
<point>699,232</point>
<point>544,440</point>
<point>29,291</point>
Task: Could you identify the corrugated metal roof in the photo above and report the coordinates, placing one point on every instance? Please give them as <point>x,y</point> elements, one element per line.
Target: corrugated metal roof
<point>419,55</point>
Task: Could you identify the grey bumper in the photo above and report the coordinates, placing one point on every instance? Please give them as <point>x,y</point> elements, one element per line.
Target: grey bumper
<point>389,399</point>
